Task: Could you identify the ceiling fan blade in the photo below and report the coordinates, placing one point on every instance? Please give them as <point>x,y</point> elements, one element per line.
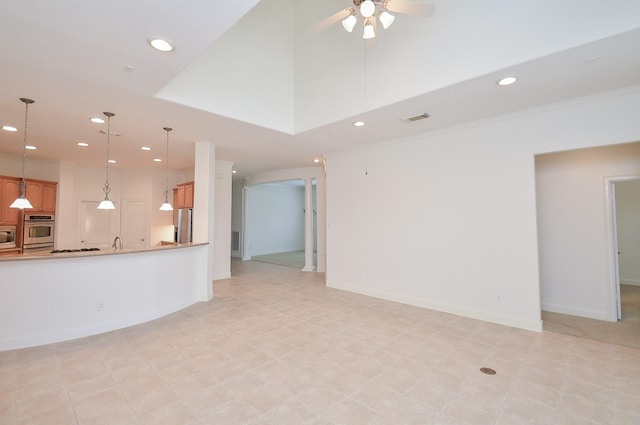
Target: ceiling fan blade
<point>411,8</point>
<point>325,23</point>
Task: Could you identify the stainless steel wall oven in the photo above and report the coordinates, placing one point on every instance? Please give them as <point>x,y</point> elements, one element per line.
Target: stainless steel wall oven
<point>38,232</point>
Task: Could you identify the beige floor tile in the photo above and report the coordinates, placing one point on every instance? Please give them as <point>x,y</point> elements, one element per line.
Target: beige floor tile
<point>275,346</point>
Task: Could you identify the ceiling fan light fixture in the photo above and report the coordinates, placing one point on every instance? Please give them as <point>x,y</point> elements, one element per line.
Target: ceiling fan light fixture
<point>367,8</point>
<point>349,22</point>
<point>368,30</point>
<point>386,19</point>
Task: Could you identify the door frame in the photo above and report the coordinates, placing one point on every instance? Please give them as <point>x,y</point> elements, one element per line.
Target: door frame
<point>612,242</point>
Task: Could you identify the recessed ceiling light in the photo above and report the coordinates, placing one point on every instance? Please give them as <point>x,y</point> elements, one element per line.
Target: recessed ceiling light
<point>145,148</point>
<point>31,148</point>
<point>9,128</point>
<point>234,171</point>
<point>97,120</point>
<point>359,123</point>
<point>83,144</point>
<point>157,159</point>
<point>316,160</point>
<point>161,44</point>
<point>506,81</point>
<point>112,161</point>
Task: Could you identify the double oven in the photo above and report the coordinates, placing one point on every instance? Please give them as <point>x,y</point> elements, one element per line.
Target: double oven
<point>38,232</point>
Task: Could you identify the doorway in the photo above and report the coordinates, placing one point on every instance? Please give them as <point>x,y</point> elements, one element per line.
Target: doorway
<point>275,223</point>
<point>624,197</point>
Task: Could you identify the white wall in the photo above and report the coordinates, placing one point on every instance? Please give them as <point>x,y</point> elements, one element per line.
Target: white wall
<point>628,222</point>
<point>81,183</point>
<point>276,218</point>
<point>574,229</point>
<point>447,220</point>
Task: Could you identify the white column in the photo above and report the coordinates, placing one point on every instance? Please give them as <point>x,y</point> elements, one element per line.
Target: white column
<point>204,209</point>
<point>244,249</point>
<point>308,226</point>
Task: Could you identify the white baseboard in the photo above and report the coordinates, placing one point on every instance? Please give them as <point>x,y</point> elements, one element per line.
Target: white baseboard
<point>530,325</point>
<point>572,311</point>
<point>632,282</point>
<point>222,276</point>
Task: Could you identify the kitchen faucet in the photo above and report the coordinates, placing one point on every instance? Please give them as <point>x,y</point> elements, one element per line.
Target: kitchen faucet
<point>117,245</point>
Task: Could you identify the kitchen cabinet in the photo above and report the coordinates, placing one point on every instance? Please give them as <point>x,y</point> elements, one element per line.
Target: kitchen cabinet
<point>183,196</point>
<point>42,195</point>
<point>9,191</point>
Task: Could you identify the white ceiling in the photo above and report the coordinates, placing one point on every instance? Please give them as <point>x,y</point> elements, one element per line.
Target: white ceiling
<point>271,94</point>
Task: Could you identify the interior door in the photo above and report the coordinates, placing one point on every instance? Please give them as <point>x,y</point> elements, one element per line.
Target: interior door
<point>134,220</point>
<point>96,228</point>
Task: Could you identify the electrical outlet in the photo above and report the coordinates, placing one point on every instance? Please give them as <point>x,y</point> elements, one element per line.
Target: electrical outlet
<point>100,306</point>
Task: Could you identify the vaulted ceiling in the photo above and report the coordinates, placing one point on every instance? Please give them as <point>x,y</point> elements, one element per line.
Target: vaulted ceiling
<point>253,78</point>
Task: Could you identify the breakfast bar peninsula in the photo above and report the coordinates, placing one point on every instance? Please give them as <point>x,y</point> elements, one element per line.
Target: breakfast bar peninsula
<point>46,297</point>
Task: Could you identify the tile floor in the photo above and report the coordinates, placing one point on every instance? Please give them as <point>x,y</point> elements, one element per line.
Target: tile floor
<point>277,347</point>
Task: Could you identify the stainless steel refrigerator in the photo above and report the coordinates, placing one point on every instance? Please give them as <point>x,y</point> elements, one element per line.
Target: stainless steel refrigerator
<point>184,228</point>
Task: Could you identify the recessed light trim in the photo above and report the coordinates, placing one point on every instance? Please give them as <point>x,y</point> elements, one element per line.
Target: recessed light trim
<point>157,160</point>
<point>112,161</point>
<point>97,120</point>
<point>161,44</point>
<point>30,147</point>
<point>358,124</point>
<point>9,128</point>
<point>506,81</point>
<point>145,148</point>
<point>82,144</point>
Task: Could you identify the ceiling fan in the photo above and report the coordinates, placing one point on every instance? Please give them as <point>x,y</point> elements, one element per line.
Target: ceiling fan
<point>367,10</point>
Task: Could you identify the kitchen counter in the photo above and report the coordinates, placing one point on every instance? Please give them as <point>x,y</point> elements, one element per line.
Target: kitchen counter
<point>40,255</point>
<point>47,298</point>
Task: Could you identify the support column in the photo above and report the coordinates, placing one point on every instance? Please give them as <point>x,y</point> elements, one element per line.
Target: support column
<point>308,226</point>
<point>204,209</point>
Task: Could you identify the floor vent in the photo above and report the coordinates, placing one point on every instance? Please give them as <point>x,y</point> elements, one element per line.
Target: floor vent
<point>235,241</point>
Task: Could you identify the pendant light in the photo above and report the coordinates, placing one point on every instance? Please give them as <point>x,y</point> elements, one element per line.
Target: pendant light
<point>21,201</point>
<point>106,204</point>
<point>166,206</point>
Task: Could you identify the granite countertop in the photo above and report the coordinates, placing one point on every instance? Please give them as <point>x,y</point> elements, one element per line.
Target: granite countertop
<point>40,255</point>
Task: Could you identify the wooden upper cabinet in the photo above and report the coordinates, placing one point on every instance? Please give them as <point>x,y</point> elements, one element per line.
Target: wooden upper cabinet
<point>34,195</point>
<point>180,197</point>
<point>49,197</point>
<point>9,191</point>
<point>183,196</point>
<point>42,196</point>
<point>188,195</point>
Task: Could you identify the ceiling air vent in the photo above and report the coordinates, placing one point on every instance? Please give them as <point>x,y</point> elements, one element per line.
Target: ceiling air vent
<point>417,117</point>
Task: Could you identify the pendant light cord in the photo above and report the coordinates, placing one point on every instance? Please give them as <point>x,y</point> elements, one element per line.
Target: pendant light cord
<point>107,187</point>
<point>166,181</point>
<point>366,133</point>
<point>24,146</point>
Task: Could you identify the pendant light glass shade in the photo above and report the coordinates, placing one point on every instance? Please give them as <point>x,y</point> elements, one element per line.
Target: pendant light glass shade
<point>386,19</point>
<point>349,22</point>
<point>106,203</point>
<point>21,201</point>
<point>368,30</point>
<point>166,205</point>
